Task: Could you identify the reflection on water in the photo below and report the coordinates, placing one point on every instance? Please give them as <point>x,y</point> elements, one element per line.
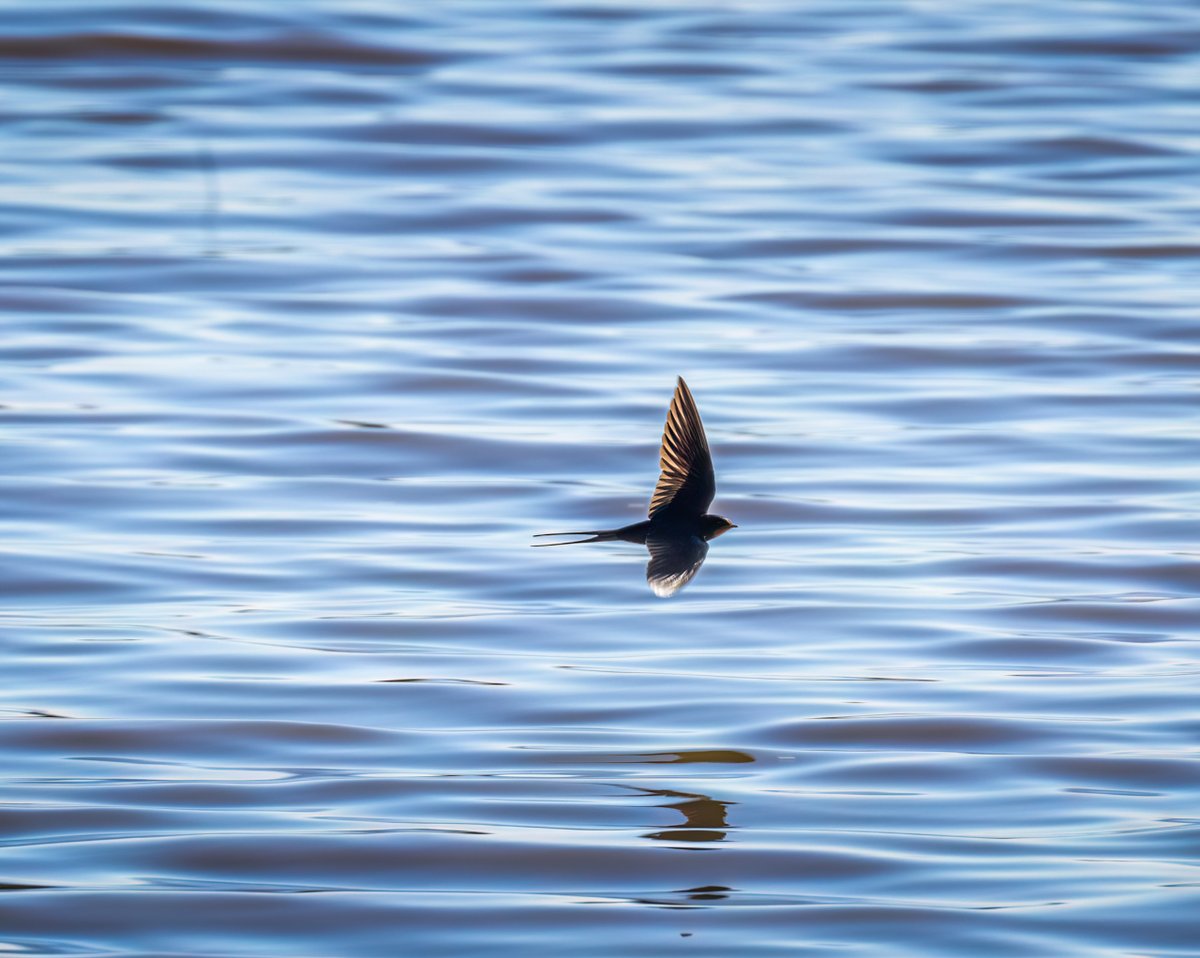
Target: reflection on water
<point>703,817</point>
<point>685,898</point>
<point>315,313</point>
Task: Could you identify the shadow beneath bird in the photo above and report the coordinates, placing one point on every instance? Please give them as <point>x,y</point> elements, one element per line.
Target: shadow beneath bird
<point>679,528</point>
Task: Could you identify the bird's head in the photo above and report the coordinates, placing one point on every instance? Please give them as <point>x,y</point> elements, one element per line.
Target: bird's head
<point>714,526</point>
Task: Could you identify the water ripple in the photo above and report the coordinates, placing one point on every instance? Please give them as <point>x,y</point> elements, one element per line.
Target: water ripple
<point>315,315</point>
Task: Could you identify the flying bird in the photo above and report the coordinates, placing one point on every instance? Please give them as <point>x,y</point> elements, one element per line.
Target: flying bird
<point>680,527</point>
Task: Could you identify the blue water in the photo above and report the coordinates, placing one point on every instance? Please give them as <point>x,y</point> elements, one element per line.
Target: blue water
<point>313,314</point>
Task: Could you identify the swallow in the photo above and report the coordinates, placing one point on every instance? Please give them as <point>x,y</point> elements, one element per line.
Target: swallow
<point>680,527</point>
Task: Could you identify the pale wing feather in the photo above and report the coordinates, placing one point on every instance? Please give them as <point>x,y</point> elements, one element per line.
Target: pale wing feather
<point>686,463</point>
<point>673,563</point>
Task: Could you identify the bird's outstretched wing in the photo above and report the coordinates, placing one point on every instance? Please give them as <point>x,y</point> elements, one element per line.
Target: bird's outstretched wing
<point>686,484</point>
<point>674,562</point>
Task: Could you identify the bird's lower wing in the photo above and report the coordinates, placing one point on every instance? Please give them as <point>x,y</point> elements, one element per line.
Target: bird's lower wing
<point>674,562</point>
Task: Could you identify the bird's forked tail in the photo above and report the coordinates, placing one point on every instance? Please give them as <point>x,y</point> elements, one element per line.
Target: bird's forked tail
<point>597,535</point>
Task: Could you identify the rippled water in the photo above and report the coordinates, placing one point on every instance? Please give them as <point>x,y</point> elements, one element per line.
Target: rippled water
<point>314,313</point>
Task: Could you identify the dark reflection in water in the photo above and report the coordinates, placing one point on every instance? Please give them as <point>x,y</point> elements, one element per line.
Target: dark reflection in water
<point>686,898</point>
<point>704,817</point>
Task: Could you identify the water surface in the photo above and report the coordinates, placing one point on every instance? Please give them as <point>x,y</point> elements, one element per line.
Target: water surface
<point>312,317</point>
